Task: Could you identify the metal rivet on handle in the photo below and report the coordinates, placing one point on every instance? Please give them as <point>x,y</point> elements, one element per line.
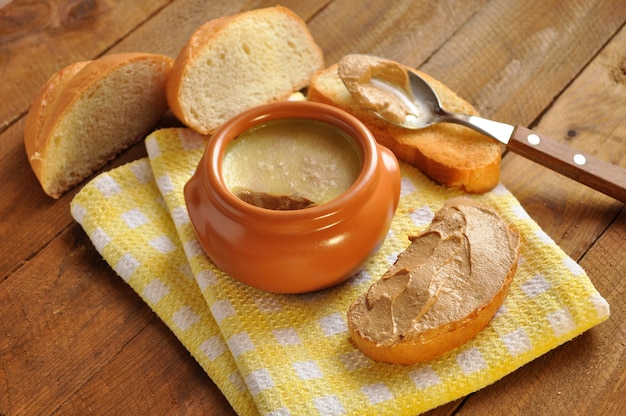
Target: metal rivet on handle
<point>533,139</point>
<point>580,159</point>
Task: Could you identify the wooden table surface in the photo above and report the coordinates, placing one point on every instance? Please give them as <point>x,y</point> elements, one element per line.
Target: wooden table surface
<point>75,339</point>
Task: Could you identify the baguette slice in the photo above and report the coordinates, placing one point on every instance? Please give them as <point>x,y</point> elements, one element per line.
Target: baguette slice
<point>89,111</point>
<point>442,290</point>
<point>449,154</point>
<point>236,62</point>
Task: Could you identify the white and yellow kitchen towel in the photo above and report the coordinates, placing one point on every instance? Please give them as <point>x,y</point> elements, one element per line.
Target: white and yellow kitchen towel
<point>291,354</point>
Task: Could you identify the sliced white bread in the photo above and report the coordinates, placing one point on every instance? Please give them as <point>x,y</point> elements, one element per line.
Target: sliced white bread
<point>88,112</point>
<point>236,62</point>
<point>449,154</point>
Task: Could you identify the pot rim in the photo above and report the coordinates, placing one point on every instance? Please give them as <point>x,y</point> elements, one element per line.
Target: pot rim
<point>229,131</point>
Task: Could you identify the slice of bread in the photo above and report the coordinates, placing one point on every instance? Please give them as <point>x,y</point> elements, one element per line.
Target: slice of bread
<point>449,154</point>
<point>88,112</point>
<point>442,290</point>
<point>236,62</point>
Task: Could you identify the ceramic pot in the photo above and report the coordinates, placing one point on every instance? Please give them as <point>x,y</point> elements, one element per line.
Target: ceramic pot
<point>302,250</point>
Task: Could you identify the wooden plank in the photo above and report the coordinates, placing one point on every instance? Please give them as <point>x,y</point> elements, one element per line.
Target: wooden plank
<point>55,310</point>
<point>512,58</point>
<point>606,368</point>
<point>588,116</point>
<point>55,37</point>
<point>167,31</point>
<point>407,31</point>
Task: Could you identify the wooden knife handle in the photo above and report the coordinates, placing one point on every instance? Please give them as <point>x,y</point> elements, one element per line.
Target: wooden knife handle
<point>586,169</point>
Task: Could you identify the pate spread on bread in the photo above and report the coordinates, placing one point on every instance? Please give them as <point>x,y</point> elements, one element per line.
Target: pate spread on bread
<point>89,111</point>
<point>449,154</point>
<point>442,290</point>
<point>237,62</point>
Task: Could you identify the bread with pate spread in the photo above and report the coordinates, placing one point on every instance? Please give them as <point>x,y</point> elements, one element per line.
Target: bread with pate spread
<point>442,290</point>
<point>89,111</point>
<point>449,154</point>
<point>236,62</point>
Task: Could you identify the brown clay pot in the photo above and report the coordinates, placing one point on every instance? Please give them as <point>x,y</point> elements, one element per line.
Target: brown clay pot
<point>301,250</point>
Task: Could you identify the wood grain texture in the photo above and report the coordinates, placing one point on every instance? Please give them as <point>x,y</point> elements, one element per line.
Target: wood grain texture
<point>75,339</point>
<point>182,18</point>
<point>44,36</point>
<point>513,58</point>
<point>63,312</point>
<point>586,116</point>
<point>407,31</point>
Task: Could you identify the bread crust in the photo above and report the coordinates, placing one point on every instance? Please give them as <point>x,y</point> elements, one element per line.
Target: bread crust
<point>55,101</point>
<point>449,154</point>
<point>37,122</point>
<point>205,37</point>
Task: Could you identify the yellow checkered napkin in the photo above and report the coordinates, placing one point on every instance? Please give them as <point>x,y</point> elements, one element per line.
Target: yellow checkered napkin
<point>291,354</point>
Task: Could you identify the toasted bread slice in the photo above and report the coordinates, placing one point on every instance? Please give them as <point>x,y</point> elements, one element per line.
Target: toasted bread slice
<point>89,111</point>
<point>236,62</point>
<point>449,154</point>
<point>442,290</point>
